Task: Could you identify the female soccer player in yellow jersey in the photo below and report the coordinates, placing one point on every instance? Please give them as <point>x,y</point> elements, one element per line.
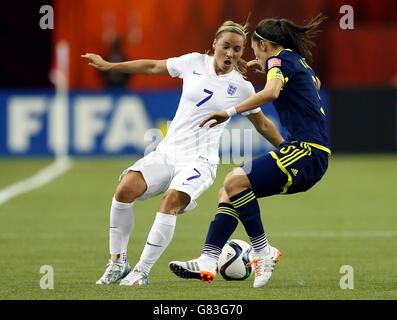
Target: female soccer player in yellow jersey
<point>281,49</point>
<point>184,164</point>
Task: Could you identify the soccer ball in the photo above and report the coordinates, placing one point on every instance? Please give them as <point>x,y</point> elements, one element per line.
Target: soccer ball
<point>232,263</point>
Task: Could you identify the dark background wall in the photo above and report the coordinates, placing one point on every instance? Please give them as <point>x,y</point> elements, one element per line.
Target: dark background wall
<point>26,49</point>
<point>363,120</point>
<point>358,67</point>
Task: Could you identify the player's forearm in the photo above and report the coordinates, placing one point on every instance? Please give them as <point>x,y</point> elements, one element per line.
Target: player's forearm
<point>266,128</point>
<point>261,98</point>
<point>148,67</point>
<point>250,104</point>
<point>271,134</point>
<point>268,94</point>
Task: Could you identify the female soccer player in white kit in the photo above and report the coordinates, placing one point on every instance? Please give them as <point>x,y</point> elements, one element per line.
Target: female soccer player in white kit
<point>184,163</point>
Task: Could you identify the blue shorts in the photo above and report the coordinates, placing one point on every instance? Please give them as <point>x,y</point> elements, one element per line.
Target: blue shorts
<point>294,167</point>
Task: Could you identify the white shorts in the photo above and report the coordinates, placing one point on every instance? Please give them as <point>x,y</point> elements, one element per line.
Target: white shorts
<point>161,173</point>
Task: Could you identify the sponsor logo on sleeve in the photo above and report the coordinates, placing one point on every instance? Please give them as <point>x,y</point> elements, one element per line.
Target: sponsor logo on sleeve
<point>273,62</point>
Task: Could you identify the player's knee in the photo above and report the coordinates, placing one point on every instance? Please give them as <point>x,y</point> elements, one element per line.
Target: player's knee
<point>230,183</point>
<point>124,194</point>
<point>236,182</point>
<point>222,196</point>
<point>174,201</point>
<point>131,187</point>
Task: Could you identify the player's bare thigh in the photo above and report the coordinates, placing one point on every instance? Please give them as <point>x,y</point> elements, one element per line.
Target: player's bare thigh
<point>236,182</point>
<point>131,186</point>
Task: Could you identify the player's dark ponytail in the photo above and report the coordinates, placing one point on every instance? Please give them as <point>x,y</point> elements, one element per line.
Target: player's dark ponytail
<point>290,35</point>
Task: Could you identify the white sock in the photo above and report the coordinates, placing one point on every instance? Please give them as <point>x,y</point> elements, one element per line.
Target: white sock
<point>121,225</point>
<point>260,245</point>
<point>208,259</point>
<point>158,239</point>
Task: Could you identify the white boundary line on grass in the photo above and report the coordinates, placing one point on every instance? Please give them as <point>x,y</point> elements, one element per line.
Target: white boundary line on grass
<point>287,234</point>
<point>334,234</point>
<point>41,178</point>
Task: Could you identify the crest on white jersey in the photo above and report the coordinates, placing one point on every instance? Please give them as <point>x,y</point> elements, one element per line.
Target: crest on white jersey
<point>231,90</point>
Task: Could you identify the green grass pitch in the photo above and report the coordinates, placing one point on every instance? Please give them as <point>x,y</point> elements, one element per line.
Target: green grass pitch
<point>348,218</point>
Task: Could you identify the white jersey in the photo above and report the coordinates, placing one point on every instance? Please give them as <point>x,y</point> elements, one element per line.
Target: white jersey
<point>204,92</point>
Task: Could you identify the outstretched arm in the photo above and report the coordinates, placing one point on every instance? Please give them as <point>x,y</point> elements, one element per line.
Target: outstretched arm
<point>149,67</point>
<point>266,128</point>
<point>268,94</point>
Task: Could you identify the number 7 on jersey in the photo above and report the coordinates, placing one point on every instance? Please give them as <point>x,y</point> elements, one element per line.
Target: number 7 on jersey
<point>206,98</point>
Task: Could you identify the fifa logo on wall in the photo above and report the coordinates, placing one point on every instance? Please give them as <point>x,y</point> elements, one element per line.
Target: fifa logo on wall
<point>99,124</point>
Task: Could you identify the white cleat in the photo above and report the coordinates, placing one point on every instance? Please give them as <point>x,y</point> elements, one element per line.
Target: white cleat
<point>115,270</point>
<point>135,278</point>
<point>264,267</point>
<point>194,269</point>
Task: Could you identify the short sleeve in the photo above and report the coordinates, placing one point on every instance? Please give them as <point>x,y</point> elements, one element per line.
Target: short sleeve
<point>178,65</point>
<point>275,73</point>
<point>281,63</point>
<point>249,92</point>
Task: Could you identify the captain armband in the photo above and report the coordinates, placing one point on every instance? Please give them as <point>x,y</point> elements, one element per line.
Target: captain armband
<point>275,73</point>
